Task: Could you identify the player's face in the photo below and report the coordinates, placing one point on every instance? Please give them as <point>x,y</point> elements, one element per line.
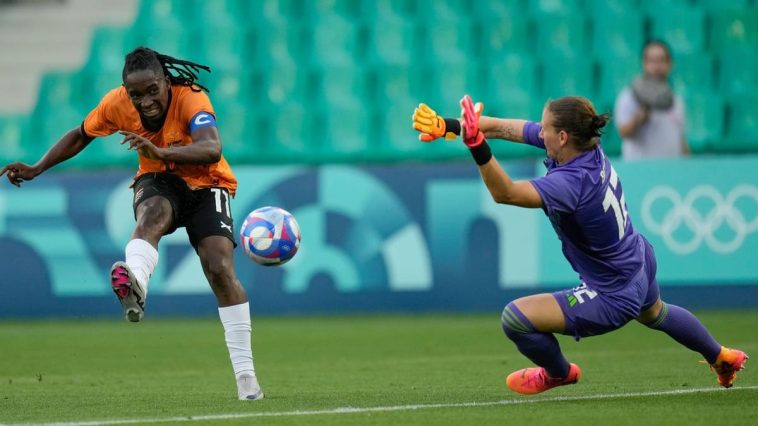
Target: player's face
<point>656,62</point>
<point>148,92</point>
<point>550,135</point>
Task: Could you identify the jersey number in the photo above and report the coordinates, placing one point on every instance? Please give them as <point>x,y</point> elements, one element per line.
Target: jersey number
<point>219,205</point>
<point>618,204</point>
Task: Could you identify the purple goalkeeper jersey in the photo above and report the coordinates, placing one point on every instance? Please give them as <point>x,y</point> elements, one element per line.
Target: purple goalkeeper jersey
<point>585,203</point>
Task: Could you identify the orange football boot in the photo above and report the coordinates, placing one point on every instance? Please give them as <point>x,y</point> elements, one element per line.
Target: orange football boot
<point>535,380</point>
<point>728,363</point>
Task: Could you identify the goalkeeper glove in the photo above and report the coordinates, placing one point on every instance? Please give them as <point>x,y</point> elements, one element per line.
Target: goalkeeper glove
<point>432,126</point>
<point>472,136</point>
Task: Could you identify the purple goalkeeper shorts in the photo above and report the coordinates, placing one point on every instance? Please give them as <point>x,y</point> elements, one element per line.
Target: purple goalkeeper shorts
<point>589,312</point>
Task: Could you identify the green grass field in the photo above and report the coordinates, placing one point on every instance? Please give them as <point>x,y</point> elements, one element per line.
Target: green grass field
<point>431,369</point>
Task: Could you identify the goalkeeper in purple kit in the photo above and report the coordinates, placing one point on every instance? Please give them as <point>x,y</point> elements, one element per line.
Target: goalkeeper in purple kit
<point>583,198</point>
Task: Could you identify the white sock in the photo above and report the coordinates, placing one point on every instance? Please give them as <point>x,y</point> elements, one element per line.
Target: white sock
<point>237,331</point>
<point>141,257</point>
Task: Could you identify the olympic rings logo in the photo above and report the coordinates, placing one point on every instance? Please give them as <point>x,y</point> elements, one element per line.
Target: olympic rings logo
<point>682,212</point>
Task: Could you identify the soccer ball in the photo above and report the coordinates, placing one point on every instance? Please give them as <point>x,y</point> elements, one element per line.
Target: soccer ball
<point>270,236</point>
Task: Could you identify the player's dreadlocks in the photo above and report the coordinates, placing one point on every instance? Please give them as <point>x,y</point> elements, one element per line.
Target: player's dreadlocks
<point>180,72</point>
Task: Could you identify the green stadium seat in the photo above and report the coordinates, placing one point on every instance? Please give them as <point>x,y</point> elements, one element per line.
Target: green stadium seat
<point>108,48</point>
<point>282,84</point>
<point>391,41</point>
<point>653,7</point>
<point>276,44</point>
<point>614,75</point>
<point>501,35</point>
<point>221,47</point>
<point>738,72</point>
<point>508,72</point>
<point>54,123</point>
<point>734,29</point>
<point>274,11</point>
<point>334,41</point>
<point>567,76</point>
<point>342,129</point>
<point>682,28</point>
<point>397,138</point>
<point>554,6</point>
<point>241,130</point>
<point>720,5</point>
<point>618,36</point>
<point>105,152</point>
<point>483,11</point>
<point>560,34</point>
<point>445,42</point>
<point>174,42</point>
<point>599,8</point>
<point>18,143</point>
<point>216,13</point>
<point>230,86</point>
<point>704,120</point>
<point>351,10</point>
<point>514,103</point>
<point>58,90</point>
<point>742,125</point>
<point>391,9</point>
<point>443,87</point>
<point>388,82</point>
<point>693,73</point>
<point>165,14</point>
<point>338,84</point>
<point>448,10</point>
<point>290,134</point>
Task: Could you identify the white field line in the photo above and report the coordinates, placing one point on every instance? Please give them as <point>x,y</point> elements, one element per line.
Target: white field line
<point>352,410</point>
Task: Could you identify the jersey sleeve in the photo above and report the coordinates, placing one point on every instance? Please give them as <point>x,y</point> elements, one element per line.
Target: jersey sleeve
<point>560,190</point>
<point>531,132</point>
<point>100,121</point>
<point>193,104</point>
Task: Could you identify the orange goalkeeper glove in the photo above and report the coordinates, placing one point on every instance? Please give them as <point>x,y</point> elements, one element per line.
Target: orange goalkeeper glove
<point>433,126</point>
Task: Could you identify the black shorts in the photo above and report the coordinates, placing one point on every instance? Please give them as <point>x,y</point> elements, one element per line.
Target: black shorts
<point>203,212</point>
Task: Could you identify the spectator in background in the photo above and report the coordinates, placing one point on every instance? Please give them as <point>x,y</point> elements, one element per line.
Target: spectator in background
<point>648,115</point>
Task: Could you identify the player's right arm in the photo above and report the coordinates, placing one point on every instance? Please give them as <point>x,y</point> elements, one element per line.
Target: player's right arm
<point>72,143</point>
<point>433,126</point>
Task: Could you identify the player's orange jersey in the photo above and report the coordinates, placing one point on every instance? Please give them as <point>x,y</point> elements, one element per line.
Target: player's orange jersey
<point>116,112</point>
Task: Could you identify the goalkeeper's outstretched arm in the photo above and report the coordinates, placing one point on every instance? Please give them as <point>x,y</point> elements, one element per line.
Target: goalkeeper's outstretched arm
<point>502,128</point>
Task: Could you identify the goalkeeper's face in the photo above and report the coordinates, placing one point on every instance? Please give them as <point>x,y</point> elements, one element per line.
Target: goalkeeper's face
<point>553,138</point>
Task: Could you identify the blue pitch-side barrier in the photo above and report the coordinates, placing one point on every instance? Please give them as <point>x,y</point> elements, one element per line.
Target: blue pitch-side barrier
<point>397,238</point>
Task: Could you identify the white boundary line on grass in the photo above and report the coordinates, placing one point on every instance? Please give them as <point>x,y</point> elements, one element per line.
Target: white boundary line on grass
<point>353,410</point>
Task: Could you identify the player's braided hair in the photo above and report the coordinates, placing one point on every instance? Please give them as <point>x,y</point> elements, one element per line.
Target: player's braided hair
<point>180,72</point>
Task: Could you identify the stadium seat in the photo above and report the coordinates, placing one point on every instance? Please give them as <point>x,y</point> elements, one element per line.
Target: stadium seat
<point>742,125</point>
<point>18,145</point>
<point>681,27</point>
<point>560,34</point>
<point>704,120</point>
<point>337,84</point>
<point>444,86</point>
<point>501,35</point>
<point>241,131</point>
<point>613,76</point>
<point>719,5</point>
<point>333,41</point>
<point>108,48</point>
<point>734,29</point>
<point>169,41</point>
<point>386,83</point>
<point>391,41</point>
<point>290,134</point>
<point>342,129</point>
<point>445,42</point>
<point>351,10</point>
<point>483,11</point>
<point>216,13</point>
<point>168,14</point>
<point>274,11</point>
<point>221,47</point>
<point>230,86</point>
<point>693,73</point>
<point>282,84</point>
<point>54,123</point>
<point>738,72</point>
<point>554,6</point>
<point>513,102</point>
<point>391,9</point>
<point>509,72</point>
<point>276,44</point>
<point>397,139</point>
<point>618,36</point>
<point>58,90</point>
<point>567,76</point>
<point>436,10</point>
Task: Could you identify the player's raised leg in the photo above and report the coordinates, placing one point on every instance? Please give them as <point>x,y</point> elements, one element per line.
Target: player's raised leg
<point>529,322</point>
<point>129,279</point>
<point>682,326</point>
<point>216,257</point>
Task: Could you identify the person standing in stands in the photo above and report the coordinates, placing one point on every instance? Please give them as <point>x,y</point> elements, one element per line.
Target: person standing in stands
<point>183,181</point>
<point>649,116</point>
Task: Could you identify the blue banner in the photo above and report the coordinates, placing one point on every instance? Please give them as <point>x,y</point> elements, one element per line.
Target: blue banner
<point>401,237</point>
